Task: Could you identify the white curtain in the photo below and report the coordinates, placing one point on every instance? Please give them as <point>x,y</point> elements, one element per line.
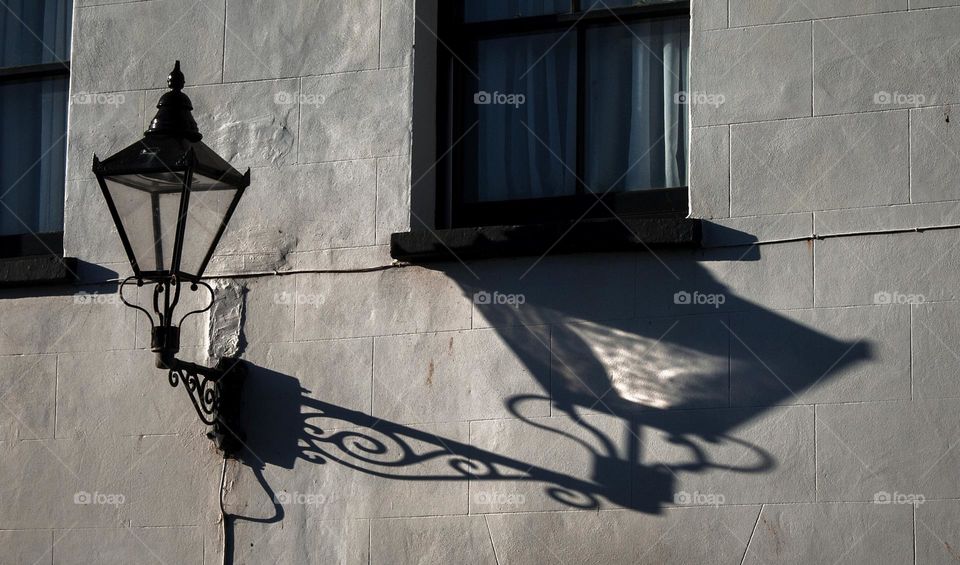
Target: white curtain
<point>33,116</point>
<point>521,145</point>
<point>635,131</point>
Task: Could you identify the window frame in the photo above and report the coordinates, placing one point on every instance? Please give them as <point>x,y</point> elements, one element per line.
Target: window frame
<point>33,244</point>
<point>456,38</point>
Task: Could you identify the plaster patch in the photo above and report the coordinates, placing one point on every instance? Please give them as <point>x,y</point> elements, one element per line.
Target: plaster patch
<point>225,320</point>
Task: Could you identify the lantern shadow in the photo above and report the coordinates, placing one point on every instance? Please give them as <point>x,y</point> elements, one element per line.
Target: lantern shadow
<point>595,370</point>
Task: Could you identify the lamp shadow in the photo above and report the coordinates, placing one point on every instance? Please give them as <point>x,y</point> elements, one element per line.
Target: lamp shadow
<point>651,375</point>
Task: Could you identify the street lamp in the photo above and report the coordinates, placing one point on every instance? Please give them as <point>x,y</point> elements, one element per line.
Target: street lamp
<point>171,198</point>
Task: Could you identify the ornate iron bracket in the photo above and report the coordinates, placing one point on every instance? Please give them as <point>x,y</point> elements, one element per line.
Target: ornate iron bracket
<point>216,395</point>
<point>200,384</point>
<point>215,392</point>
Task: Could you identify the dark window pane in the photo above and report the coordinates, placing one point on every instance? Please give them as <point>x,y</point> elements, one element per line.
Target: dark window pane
<point>636,121</point>
<point>34,31</point>
<point>32,155</point>
<point>523,113</point>
<point>485,10</point>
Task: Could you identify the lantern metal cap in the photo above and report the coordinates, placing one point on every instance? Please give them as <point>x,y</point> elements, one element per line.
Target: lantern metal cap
<point>175,111</point>
<point>163,153</point>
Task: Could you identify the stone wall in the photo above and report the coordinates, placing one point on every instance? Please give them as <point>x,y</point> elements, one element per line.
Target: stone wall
<point>787,394</point>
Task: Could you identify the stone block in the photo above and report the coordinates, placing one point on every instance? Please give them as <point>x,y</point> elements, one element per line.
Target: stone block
<point>937,539</point>
<point>758,12</point>
<point>133,45</point>
<point>305,208</point>
<point>28,386</point>
<point>393,196</point>
<point>761,73</point>
<point>457,376</point>
<point>100,482</point>
<point>934,163</point>
<point>623,537</point>
<point>27,546</point>
<point>534,291</point>
<point>92,321</point>
<point>101,124</point>
<point>935,351</point>
<point>345,542</point>
<point>89,232</point>
<point>134,546</point>
<point>860,160</point>
<point>250,124</point>
<point>420,541</point>
<point>118,393</point>
<point>410,300</point>
<point>709,14</point>
<point>291,38</point>
<point>397,21</point>
<point>880,218</point>
<point>710,172</point>
<point>709,281</point>
<point>885,61</point>
<point>827,533</point>
<point>335,371</point>
<point>866,451</point>
<point>903,268</point>
<point>356,115</point>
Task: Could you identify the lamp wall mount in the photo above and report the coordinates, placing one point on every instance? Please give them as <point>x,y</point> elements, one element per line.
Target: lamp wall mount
<point>216,393</point>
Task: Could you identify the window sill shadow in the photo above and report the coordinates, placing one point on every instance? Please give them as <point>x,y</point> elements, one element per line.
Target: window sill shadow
<point>587,236</point>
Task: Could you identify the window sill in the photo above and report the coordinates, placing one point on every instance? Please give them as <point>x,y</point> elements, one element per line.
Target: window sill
<point>607,235</point>
<point>36,271</point>
<point>34,260</point>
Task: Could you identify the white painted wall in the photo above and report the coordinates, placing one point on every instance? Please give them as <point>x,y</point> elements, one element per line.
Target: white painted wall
<point>399,422</point>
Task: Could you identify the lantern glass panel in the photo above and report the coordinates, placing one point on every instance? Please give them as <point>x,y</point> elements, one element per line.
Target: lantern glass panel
<point>148,206</point>
<point>207,211</point>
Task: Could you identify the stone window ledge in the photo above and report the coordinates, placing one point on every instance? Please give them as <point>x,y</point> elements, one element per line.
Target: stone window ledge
<point>604,235</point>
<point>27,261</point>
<point>37,270</point>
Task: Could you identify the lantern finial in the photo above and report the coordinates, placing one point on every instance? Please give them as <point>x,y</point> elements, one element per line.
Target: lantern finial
<point>174,116</point>
<point>175,80</point>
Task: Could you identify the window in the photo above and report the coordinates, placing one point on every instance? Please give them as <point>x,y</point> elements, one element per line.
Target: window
<point>548,105</point>
<point>34,84</point>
